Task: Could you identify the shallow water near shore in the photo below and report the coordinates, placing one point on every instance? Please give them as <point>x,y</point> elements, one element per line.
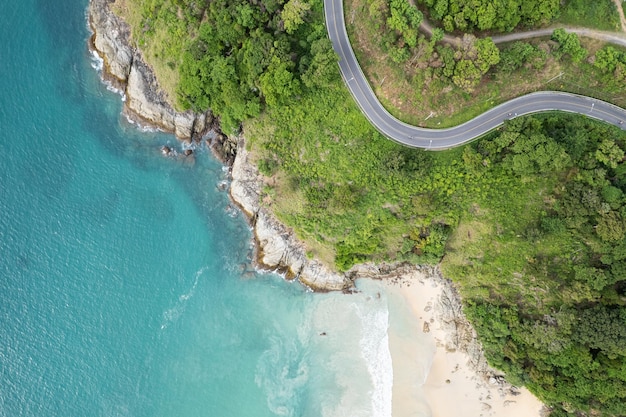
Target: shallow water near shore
<point>125,286</point>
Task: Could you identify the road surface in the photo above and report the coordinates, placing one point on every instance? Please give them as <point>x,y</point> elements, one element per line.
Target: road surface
<point>437,139</point>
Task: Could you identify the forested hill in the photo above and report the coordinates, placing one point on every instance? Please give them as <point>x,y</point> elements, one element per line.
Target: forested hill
<point>530,221</point>
<point>235,56</point>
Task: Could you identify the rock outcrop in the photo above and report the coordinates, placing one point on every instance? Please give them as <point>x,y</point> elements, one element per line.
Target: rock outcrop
<point>125,67</point>
<point>461,336</point>
<point>277,246</point>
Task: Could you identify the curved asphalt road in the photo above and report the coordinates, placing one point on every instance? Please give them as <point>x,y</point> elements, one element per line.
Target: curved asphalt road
<point>437,139</point>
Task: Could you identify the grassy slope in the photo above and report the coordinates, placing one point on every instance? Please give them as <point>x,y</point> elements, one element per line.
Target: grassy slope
<point>598,14</point>
<point>162,43</point>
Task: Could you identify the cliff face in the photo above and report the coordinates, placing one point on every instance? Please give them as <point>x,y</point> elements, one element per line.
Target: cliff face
<point>125,67</point>
<point>278,247</point>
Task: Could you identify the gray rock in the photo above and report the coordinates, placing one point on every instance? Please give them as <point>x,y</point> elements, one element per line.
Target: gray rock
<point>245,188</point>
<point>319,277</point>
<point>111,39</point>
<point>278,247</point>
<point>145,101</point>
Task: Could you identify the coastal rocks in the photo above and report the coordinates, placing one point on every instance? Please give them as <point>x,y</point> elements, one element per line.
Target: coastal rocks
<point>274,241</point>
<point>387,271</point>
<point>125,67</point>
<point>245,188</point>
<point>224,147</point>
<point>144,99</point>
<point>426,327</point>
<point>111,39</point>
<point>461,336</point>
<point>278,247</point>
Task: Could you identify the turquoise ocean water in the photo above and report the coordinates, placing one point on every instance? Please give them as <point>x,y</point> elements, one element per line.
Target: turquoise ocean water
<point>123,289</point>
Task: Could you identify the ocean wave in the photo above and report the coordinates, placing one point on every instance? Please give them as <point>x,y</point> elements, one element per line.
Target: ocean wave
<point>374,345</point>
<point>353,371</point>
<point>97,62</point>
<point>140,126</point>
<point>172,314</point>
<point>282,373</point>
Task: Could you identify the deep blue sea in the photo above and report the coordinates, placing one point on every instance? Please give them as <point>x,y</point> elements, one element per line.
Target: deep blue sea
<point>125,284</point>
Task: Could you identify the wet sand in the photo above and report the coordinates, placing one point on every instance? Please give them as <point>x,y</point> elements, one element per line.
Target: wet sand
<point>430,380</point>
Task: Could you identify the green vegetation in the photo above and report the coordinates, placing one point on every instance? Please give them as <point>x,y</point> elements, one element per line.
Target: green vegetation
<point>236,57</point>
<point>501,16</point>
<point>530,221</point>
<point>598,14</point>
<point>507,15</point>
<point>544,278</point>
<point>612,63</point>
<point>436,85</point>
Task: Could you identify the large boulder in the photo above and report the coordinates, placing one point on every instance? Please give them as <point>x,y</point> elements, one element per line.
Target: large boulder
<point>111,39</point>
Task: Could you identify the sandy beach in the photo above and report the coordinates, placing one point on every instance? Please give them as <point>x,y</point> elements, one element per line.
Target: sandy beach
<point>431,377</point>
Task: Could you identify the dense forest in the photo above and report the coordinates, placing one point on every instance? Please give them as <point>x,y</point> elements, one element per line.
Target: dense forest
<point>242,55</point>
<point>506,15</point>
<point>500,15</point>
<point>529,222</point>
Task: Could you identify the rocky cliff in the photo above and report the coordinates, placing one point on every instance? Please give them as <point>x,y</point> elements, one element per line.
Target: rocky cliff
<point>280,249</point>
<point>277,245</point>
<point>125,67</point>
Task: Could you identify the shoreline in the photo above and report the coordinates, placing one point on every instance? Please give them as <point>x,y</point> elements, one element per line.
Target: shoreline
<point>277,249</point>
<point>456,367</point>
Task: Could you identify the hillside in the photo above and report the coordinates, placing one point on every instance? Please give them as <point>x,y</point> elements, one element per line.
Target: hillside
<point>529,221</point>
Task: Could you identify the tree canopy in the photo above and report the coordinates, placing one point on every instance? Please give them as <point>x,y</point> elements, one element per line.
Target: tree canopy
<point>239,56</point>
<point>499,15</point>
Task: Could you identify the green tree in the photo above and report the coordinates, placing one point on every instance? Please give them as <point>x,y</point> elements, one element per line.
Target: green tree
<point>293,14</point>
<point>437,35</point>
<point>610,227</point>
<point>569,44</point>
<point>278,83</point>
<point>466,75</point>
<point>488,54</point>
<point>602,327</point>
<point>609,153</point>
<point>607,59</point>
<point>405,19</point>
<point>321,69</point>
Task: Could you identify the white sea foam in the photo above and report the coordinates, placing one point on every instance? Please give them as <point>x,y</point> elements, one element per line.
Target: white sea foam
<point>97,62</point>
<point>375,350</point>
<point>172,314</point>
<point>140,126</point>
<point>192,290</point>
<point>283,371</point>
